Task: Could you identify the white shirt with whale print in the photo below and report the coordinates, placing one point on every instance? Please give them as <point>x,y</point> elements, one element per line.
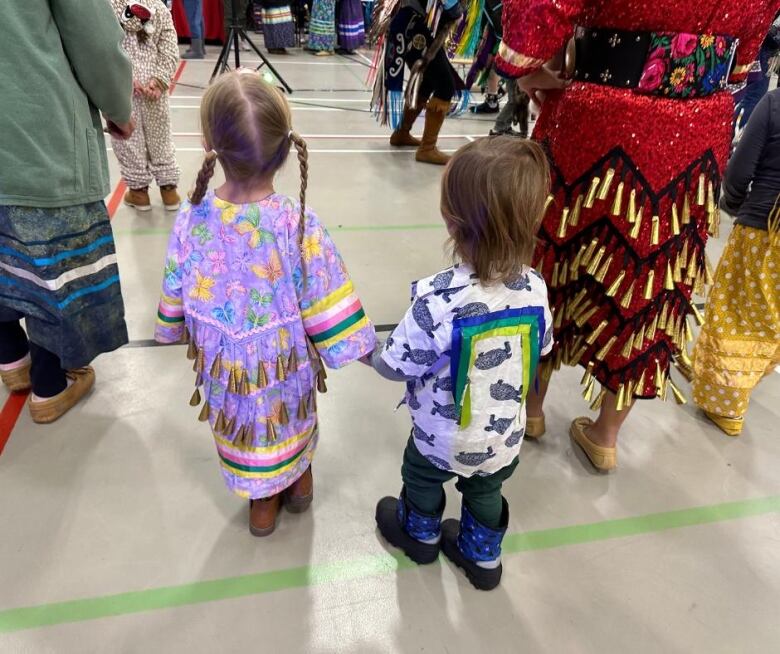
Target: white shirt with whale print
<point>420,347</point>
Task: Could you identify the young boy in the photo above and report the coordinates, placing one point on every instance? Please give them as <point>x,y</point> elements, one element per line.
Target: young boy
<point>468,349</point>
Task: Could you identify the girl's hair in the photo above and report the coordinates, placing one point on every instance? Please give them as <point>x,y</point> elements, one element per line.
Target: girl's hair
<point>492,199</point>
<point>247,125</point>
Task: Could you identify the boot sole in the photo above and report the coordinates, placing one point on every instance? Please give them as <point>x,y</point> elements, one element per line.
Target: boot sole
<point>480,578</point>
<point>261,533</point>
<point>172,207</point>
<point>139,207</point>
<point>18,380</point>
<point>387,523</point>
<point>298,504</point>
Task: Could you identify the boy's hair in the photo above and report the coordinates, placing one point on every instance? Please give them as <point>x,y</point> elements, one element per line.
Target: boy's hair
<point>492,199</point>
<point>247,125</point>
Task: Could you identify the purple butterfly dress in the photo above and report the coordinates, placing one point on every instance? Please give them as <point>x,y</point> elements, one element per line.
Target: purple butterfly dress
<point>234,289</point>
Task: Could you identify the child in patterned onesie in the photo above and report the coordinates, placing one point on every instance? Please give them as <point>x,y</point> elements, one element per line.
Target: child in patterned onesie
<point>265,298</point>
<point>149,155</point>
<point>468,349</point>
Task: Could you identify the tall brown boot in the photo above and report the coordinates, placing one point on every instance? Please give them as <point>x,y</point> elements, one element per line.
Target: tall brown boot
<point>402,136</point>
<point>434,118</point>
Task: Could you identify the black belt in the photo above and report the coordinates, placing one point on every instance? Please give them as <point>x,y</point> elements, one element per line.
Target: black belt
<point>671,65</point>
<point>610,57</point>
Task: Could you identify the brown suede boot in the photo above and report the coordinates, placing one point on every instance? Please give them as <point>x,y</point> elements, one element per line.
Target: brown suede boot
<point>138,199</point>
<point>298,497</point>
<point>262,515</point>
<point>47,411</point>
<point>402,136</point>
<point>170,197</point>
<point>434,118</point>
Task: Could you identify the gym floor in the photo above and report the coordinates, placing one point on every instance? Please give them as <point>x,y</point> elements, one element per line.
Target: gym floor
<point>119,536</point>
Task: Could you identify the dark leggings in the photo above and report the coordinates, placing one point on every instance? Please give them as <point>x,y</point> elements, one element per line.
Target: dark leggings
<point>48,377</point>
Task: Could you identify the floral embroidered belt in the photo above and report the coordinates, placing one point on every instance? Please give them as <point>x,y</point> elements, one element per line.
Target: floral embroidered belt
<point>668,64</point>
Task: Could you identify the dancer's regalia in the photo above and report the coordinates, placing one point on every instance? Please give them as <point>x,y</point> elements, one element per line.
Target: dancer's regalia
<point>409,33</point>
<point>637,144</point>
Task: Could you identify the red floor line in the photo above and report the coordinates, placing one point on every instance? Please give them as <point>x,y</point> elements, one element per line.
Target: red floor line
<point>13,406</point>
<point>9,415</point>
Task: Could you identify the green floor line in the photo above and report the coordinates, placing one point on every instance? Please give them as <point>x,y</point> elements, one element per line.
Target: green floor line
<point>155,231</point>
<point>325,573</point>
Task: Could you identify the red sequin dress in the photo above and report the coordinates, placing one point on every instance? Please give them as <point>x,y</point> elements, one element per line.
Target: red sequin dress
<point>634,188</point>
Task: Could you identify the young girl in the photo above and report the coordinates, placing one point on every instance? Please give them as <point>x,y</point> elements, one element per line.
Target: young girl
<point>467,349</point>
<point>263,297</point>
<point>149,154</point>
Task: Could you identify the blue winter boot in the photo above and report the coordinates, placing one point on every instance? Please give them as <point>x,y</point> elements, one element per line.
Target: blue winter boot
<point>404,527</point>
<point>475,548</point>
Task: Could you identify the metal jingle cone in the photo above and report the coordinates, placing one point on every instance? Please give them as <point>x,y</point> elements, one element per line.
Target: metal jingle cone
<point>232,384</point>
<point>686,212</point>
<point>284,416</point>
<point>585,261</point>
<point>195,399</point>
<point>617,203</point>
<point>627,347</point>
<point>230,426</point>
<point>606,184</point>
<point>628,297</point>
<point>669,277</point>
<point>588,374</point>
<point>639,389</point>
<point>554,280</point>
<point>606,349</point>
<point>200,362</point>
<point>649,285</point>
<point>204,413</point>
<point>700,190</point>
<point>634,233</point>
<point>302,411</point>
<point>697,315</point>
<point>574,219</point>
<point>675,220</point>
<point>678,394</point>
<point>244,387</point>
<point>563,222</point>
<point>593,266</point>
<point>591,196</point>
<point>655,227</point>
<point>601,275</point>
<point>548,201</point>
<point>650,334</point>
<point>262,378</point>
<point>615,285</point>
<point>216,367</point>
<point>631,214</point>
<point>621,396</point>
<point>192,351</point>
<point>220,423</point>
<point>586,316</point>
<point>280,371</point>
<point>321,386</point>
<point>591,339</point>
<point>270,430</point>
<point>596,404</point>
<point>185,335</point>
<point>587,393</point>
<point>292,362</point>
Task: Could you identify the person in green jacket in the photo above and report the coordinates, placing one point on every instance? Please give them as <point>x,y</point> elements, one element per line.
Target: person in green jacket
<point>60,66</point>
